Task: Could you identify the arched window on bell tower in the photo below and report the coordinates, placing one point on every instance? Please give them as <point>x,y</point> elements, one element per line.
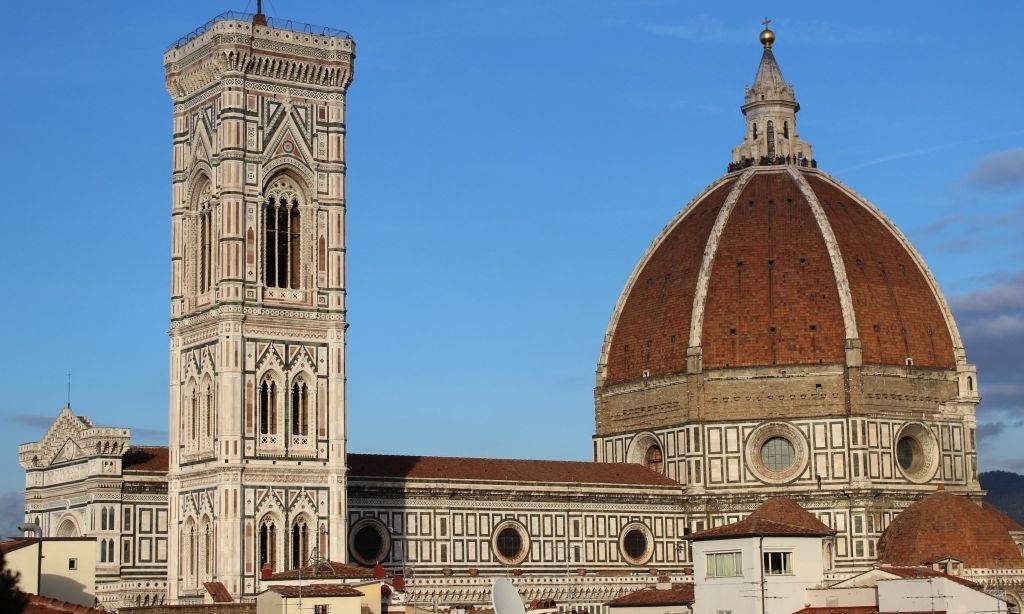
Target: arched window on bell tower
<point>300,543</point>
<point>268,543</point>
<point>282,225</point>
<point>269,402</point>
<point>300,408</point>
<point>203,236</point>
<point>770,136</point>
<point>209,414</point>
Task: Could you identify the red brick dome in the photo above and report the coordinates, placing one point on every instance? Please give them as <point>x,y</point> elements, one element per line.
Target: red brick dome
<point>944,525</point>
<point>775,266</point>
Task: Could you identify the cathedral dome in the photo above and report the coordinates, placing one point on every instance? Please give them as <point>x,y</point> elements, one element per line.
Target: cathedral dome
<point>773,266</point>
<point>946,526</point>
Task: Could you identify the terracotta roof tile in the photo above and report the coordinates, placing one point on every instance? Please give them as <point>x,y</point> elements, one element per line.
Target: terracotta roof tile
<point>944,525</point>
<point>1005,520</point>
<point>145,458</point>
<point>859,609</point>
<point>218,591</point>
<point>679,594</point>
<point>16,544</point>
<point>503,470</point>
<point>316,590</point>
<point>927,572</point>
<point>337,571</point>
<point>778,516</point>
<point>37,604</point>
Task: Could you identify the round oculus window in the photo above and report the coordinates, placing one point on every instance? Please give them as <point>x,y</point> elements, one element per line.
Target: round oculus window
<point>917,454</point>
<point>636,543</point>
<point>369,541</point>
<point>907,452</point>
<point>510,542</point>
<point>777,454</point>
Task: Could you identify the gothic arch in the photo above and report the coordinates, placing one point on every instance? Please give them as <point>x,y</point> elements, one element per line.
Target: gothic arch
<point>302,407</point>
<point>294,168</point>
<point>200,235</point>
<point>269,541</point>
<point>208,404</point>
<point>190,413</point>
<point>189,550</point>
<point>285,220</point>
<point>68,527</point>
<point>271,403</point>
<point>207,548</point>
<point>301,539</point>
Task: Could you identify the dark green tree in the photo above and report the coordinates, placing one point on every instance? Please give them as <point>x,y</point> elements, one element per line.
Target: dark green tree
<point>11,599</point>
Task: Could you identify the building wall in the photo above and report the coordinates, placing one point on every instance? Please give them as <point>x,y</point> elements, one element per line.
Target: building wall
<point>25,562</point>
<point>780,594</point>
<point>61,579</point>
<point>452,527</point>
<point>846,468</point>
<point>934,595</point>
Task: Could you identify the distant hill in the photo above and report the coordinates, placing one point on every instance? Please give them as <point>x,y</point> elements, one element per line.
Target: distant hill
<point>1005,491</point>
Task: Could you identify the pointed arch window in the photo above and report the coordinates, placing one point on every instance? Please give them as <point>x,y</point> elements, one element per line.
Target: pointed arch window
<point>209,413</point>
<point>268,409</point>
<point>282,222</point>
<point>300,543</point>
<point>300,408</point>
<point>268,544</point>
<point>188,547</point>
<point>202,222</point>
<point>770,135</point>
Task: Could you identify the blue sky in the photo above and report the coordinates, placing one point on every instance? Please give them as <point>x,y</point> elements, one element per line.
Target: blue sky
<point>508,164</point>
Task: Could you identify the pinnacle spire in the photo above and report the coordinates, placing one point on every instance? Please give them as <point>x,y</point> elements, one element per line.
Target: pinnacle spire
<point>770,109</point>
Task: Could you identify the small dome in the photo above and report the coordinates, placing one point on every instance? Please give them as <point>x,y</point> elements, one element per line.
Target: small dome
<point>943,526</point>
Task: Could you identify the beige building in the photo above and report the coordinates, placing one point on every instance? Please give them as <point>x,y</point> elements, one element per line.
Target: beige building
<point>58,568</point>
<point>779,336</point>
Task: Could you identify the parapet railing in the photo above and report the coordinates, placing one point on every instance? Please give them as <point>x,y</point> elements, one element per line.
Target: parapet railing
<point>273,22</point>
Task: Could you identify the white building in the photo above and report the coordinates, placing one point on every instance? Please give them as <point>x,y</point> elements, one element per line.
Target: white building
<point>59,568</point>
<point>763,563</point>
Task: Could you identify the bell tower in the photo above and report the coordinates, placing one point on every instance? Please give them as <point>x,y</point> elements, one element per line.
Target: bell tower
<point>257,337</point>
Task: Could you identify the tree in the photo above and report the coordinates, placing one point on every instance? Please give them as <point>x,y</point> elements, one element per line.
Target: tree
<point>11,599</point>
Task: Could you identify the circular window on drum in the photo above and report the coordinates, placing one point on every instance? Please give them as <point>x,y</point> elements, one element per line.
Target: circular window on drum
<point>776,452</point>
<point>636,543</point>
<point>510,542</point>
<point>369,541</point>
<point>917,452</point>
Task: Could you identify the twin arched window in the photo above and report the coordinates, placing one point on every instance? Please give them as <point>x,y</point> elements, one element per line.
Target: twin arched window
<point>199,416</point>
<point>106,550</point>
<point>197,550</point>
<point>270,403</point>
<point>106,518</point>
<point>282,265</point>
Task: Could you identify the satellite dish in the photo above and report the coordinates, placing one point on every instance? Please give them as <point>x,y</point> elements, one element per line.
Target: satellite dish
<point>505,598</point>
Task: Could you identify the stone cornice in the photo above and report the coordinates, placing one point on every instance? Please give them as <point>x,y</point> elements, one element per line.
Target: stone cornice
<point>238,48</point>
